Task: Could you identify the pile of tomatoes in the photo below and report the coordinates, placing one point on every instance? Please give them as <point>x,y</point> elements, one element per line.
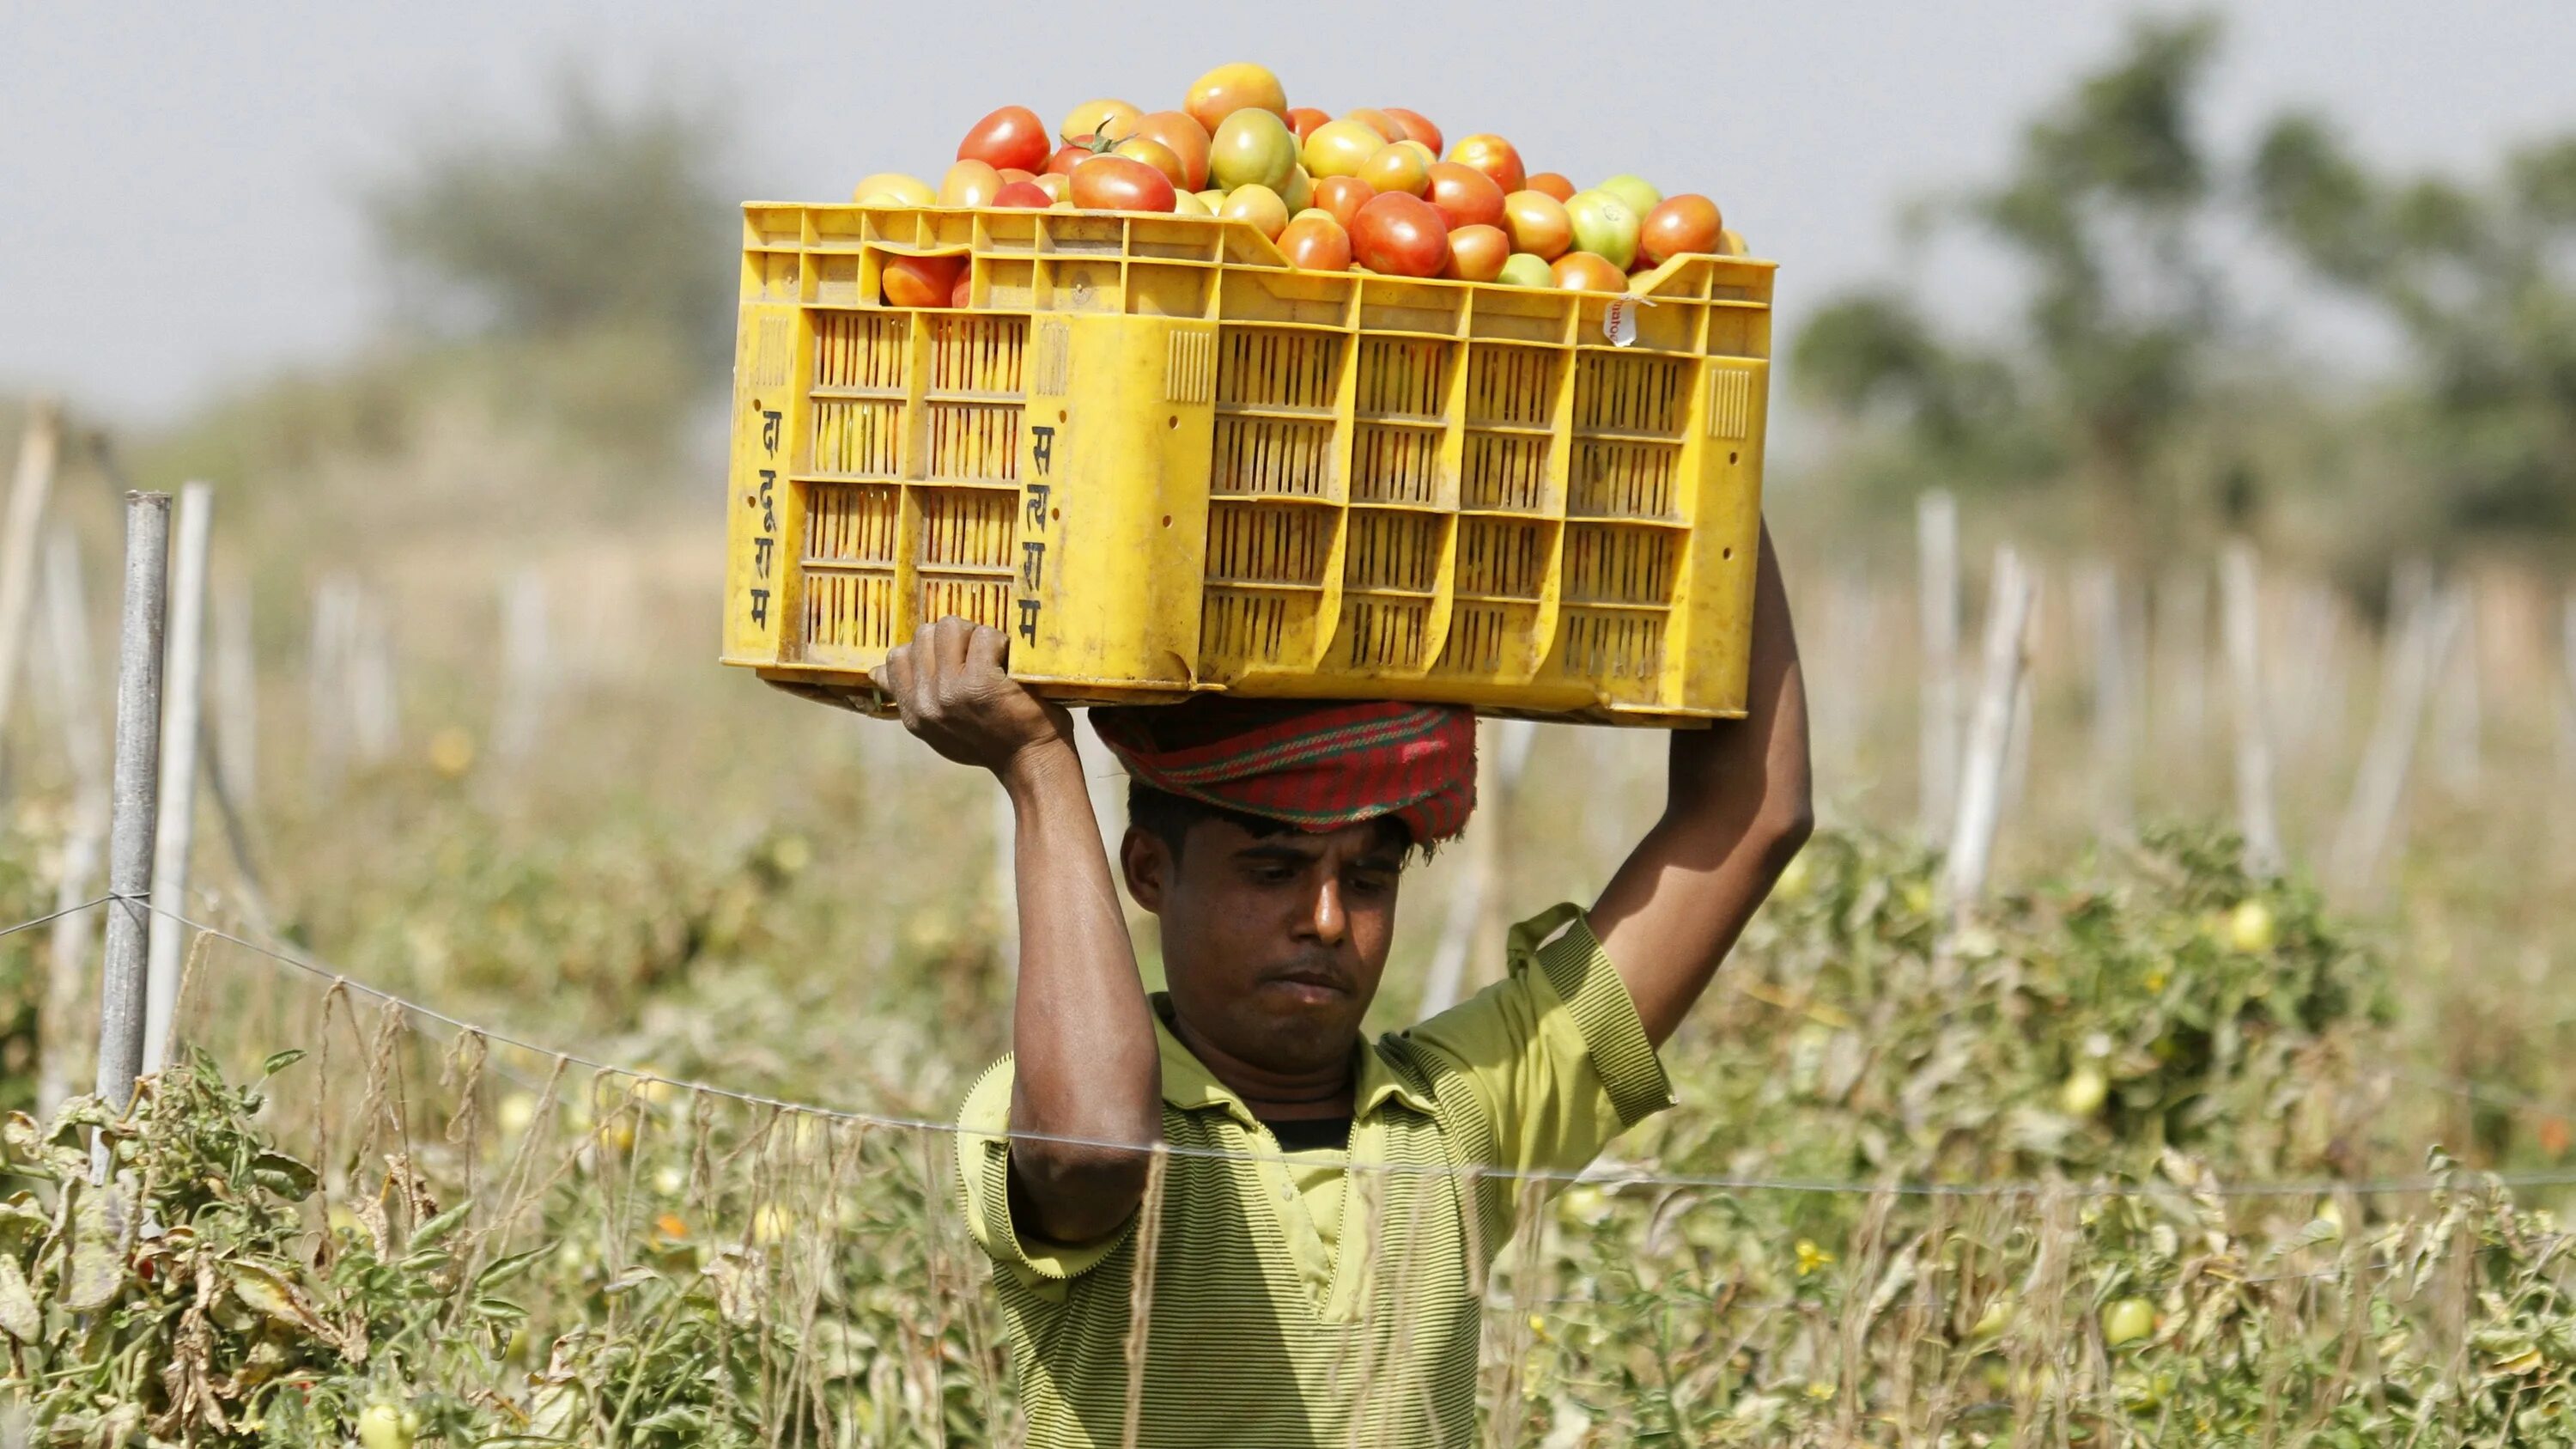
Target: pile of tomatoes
<point>1368,191</point>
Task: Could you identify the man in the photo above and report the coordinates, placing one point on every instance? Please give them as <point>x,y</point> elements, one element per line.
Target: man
<point>1291,1300</point>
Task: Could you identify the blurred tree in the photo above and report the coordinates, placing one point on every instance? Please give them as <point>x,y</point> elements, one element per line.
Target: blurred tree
<point>2481,285</point>
<point>616,219</point>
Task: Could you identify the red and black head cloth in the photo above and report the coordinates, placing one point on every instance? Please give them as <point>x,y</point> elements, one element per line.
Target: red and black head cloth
<point>1316,766</point>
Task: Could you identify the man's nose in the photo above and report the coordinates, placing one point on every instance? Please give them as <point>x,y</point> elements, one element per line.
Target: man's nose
<point>1332,922</point>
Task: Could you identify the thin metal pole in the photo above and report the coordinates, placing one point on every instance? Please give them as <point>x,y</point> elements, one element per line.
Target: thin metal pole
<point>135,793</point>
<point>38,452</point>
<point>175,831</point>
<point>1981,778</point>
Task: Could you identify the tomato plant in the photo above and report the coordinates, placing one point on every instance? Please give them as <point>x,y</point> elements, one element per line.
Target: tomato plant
<point>1012,138</point>
<point>1400,235</point>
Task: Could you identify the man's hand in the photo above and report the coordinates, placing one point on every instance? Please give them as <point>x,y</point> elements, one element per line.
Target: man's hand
<point>950,685</point>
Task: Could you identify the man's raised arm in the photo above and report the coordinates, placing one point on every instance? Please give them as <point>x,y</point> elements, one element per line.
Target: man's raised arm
<point>1082,1036</point>
<point>1736,810</point>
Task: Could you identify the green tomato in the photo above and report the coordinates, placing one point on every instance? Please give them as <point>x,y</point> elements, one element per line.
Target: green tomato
<point>2127,1321</point>
<point>1637,191</point>
<point>2250,929</point>
<point>380,1426</point>
<point>1253,148</point>
<point>2084,1092</point>
<point>1521,269</point>
<point>1604,226</point>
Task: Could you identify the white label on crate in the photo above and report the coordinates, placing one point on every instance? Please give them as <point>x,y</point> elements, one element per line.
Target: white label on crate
<point>1619,324</point>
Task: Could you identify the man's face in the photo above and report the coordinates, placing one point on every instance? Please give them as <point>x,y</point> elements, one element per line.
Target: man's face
<point>1272,944</point>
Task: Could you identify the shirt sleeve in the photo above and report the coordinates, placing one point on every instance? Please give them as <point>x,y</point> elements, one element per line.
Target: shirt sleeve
<point>984,1174</point>
<point>1554,1055</point>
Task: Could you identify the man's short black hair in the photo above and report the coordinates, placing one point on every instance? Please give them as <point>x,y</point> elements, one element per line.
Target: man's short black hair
<point>1168,818</point>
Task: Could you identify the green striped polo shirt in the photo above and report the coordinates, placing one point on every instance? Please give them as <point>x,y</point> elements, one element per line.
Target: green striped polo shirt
<point>1293,1306</point>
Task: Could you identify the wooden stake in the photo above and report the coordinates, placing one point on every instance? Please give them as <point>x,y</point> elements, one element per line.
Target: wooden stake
<point>175,833</point>
<point>2413,654</point>
<point>2459,707</point>
<point>1472,928</point>
<point>1936,527</point>
<point>39,449</point>
<point>1972,837</point>
<point>137,779</point>
<point>2241,601</point>
<point>67,653</point>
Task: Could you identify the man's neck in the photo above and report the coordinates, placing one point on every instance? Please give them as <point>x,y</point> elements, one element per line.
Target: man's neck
<point>1272,1095</point>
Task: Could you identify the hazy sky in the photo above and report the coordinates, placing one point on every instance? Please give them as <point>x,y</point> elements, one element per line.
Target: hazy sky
<point>176,179</point>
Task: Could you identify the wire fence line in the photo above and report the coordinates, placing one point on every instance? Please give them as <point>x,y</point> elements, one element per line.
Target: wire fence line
<point>1608,1175</point>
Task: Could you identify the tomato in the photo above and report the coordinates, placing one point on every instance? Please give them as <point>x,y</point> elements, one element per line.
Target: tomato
<point>1306,121</point>
<point>1073,153</point>
<point>1604,226</point>
<point>1121,183</point>
<point>2083,1092</point>
<point>2250,928</point>
<point>1417,127</point>
<point>1114,119</point>
<point>1521,269</point>
<point>1022,193</point>
<point>1317,242</point>
<point>1466,196</point>
<point>1637,191</point>
<point>1730,242</point>
<point>920,281</point>
<point>1537,224</point>
<point>1584,272</point>
<point>1378,121</point>
<point>1057,186</point>
<point>1258,205</point>
<point>1252,148</point>
<point>1212,199</point>
<point>1495,157</point>
<point>1680,224</point>
<point>1187,203</point>
<point>1299,193</point>
<point>1012,138</point>
<point>1553,183</point>
<point>1231,88</point>
<point>1188,140</point>
<point>1341,148</point>
<point>1343,196</point>
<point>1401,235</point>
<point>963,294</point>
<point>380,1426</point>
<point>1010,174</point>
<point>969,183</point>
<point>2126,1321</point>
<point>1399,169</point>
<point>1157,155</point>
<point>893,188</point>
<point>1477,252</point>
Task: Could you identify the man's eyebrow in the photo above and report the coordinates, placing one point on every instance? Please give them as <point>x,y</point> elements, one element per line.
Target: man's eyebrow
<point>1284,851</point>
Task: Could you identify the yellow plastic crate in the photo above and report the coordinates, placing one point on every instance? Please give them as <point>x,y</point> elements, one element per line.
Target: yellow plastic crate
<point>1164,461</point>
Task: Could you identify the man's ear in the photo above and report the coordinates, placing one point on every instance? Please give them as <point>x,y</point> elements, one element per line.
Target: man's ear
<point>1148,865</point>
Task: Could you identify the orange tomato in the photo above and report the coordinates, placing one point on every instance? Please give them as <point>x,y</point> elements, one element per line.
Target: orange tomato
<point>1343,196</point>
<point>1157,155</point>
<point>1317,243</point>
<point>1258,205</point>
<point>1466,196</point>
<point>1378,121</point>
<point>969,183</point>
<point>1537,224</point>
<point>920,281</point>
<point>1023,193</point>
<point>1188,140</point>
<point>963,294</point>
<point>1417,126</point>
<point>1495,157</point>
<point>1114,119</point>
<point>1010,174</point>
<point>1010,137</point>
<point>1679,224</point>
<point>1057,186</point>
<point>1121,183</point>
<point>1305,119</point>
<point>1229,88</point>
<point>1397,168</point>
<point>1584,272</point>
<point>1477,253</point>
<point>1554,183</point>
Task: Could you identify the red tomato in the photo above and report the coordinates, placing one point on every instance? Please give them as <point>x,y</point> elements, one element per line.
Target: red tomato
<point>1023,193</point>
<point>1188,140</point>
<point>1417,127</point>
<point>1584,272</point>
<point>1056,186</point>
<point>1466,196</point>
<point>920,281</point>
<point>1495,157</point>
<point>1685,223</point>
<point>1304,119</point>
<point>1157,155</point>
<point>1010,138</point>
<point>1010,174</point>
<point>1537,224</point>
<point>1477,253</point>
<point>1378,121</point>
<point>1317,243</point>
<point>1120,183</point>
<point>1554,183</point>
<point>1343,196</point>
<point>1400,235</point>
<point>1072,153</point>
<point>962,295</point>
<point>1229,88</point>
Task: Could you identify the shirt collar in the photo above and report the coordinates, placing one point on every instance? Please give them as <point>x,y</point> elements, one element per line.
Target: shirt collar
<point>1190,1086</point>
